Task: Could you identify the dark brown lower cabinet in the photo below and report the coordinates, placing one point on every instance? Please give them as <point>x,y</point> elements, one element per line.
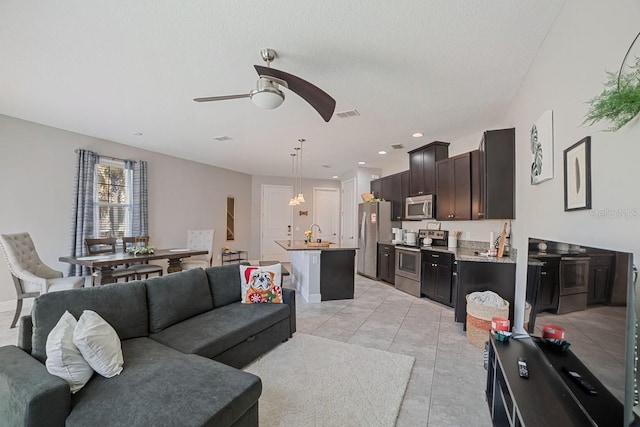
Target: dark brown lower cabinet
<point>600,279</point>
<point>438,273</point>
<point>386,263</point>
<point>549,284</point>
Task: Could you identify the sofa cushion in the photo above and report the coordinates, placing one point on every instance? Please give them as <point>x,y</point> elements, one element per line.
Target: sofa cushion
<point>224,281</point>
<point>122,305</point>
<point>213,332</point>
<point>64,359</point>
<point>99,344</point>
<point>163,387</point>
<point>176,297</point>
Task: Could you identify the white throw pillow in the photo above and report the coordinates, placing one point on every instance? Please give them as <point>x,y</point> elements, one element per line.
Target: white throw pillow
<point>99,344</point>
<point>63,357</point>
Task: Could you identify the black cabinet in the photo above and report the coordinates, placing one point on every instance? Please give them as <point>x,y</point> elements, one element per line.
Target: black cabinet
<point>422,167</point>
<point>453,187</point>
<point>438,271</point>
<point>549,290</point>
<point>600,279</point>
<point>390,188</point>
<point>475,276</point>
<point>548,397</point>
<point>375,187</point>
<point>494,177</point>
<point>386,263</point>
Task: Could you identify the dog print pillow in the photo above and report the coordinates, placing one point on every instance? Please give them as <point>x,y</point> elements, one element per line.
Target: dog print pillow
<point>261,284</point>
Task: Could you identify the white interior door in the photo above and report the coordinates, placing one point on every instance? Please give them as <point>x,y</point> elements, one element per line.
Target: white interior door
<point>326,213</point>
<point>277,220</point>
<point>349,214</point>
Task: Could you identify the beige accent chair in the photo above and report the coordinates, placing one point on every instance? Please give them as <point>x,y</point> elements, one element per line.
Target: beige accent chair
<point>31,276</point>
<point>199,240</point>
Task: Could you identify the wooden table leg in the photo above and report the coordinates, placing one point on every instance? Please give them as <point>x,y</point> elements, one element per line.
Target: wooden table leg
<point>104,276</point>
<point>175,265</point>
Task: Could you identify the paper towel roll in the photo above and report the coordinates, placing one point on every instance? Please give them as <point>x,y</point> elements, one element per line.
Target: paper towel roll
<point>492,240</point>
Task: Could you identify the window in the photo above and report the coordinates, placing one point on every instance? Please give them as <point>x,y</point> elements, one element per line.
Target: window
<point>112,197</point>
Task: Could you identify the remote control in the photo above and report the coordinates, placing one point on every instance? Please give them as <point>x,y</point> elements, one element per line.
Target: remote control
<point>522,368</point>
<point>580,381</point>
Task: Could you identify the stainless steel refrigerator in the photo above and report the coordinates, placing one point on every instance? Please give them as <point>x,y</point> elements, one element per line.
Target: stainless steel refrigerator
<point>374,225</point>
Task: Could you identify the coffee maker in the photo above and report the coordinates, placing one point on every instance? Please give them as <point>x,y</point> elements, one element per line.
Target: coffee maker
<point>398,235</point>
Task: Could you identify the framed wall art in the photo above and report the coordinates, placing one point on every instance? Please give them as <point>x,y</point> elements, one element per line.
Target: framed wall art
<point>541,138</point>
<point>577,175</point>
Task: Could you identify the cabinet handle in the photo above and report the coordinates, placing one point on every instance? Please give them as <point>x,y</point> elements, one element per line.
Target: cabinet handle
<point>386,254</point>
<point>435,256</point>
<point>454,274</point>
<point>544,273</point>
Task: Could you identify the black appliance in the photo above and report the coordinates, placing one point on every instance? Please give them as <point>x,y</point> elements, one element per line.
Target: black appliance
<point>438,237</point>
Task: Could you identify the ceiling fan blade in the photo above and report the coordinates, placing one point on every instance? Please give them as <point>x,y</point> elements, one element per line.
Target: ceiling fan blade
<point>221,98</point>
<point>316,97</point>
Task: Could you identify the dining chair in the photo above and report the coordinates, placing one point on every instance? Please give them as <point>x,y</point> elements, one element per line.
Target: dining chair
<point>31,277</point>
<point>143,267</point>
<point>107,245</point>
<point>199,240</point>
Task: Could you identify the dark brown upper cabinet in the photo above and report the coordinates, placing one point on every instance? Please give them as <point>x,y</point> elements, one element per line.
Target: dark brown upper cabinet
<point>453,187</point>
<point>392,189</point>
<point>422,167</point>
<point>495,176</point>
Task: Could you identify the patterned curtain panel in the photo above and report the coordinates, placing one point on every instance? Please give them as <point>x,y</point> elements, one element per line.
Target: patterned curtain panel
<point>139,212</point>
<point>82,220</point>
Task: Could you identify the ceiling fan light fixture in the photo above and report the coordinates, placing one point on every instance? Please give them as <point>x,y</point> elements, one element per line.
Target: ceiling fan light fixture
<point>300,198</point>
<point>267,95</point>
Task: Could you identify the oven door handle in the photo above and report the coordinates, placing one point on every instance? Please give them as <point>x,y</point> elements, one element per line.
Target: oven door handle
<point>408,250</point>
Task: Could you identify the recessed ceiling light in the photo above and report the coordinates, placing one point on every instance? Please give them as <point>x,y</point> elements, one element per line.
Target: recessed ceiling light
<point>137,134</point>
<point>418,135</point>
<point>335,177</point>
<point>362,163</point>
<point>382,152</point>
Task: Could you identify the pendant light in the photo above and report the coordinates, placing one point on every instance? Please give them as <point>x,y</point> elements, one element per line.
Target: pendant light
<point>300,197</point>
<point>293,201</point>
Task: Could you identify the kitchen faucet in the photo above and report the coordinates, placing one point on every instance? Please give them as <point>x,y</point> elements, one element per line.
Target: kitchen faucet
<point>311,228</point>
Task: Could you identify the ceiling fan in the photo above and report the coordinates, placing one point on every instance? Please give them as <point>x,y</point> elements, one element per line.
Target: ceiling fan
<point>267,95</point>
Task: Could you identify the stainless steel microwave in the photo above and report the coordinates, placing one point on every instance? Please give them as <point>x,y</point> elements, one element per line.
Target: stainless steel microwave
<point>419,207</point>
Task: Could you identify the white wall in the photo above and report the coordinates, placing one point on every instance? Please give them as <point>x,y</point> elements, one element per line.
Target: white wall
<point>587,38</point>
<point>300,222</point>
<point>37,169</point>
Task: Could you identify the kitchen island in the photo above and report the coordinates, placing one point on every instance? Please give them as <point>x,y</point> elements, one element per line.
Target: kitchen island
<point>321,273</point>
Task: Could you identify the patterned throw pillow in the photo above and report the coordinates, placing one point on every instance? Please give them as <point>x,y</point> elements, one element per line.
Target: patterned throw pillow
<point>261,284</point>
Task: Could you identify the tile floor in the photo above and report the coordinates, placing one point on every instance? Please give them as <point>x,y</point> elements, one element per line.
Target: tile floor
<point>447,382</point>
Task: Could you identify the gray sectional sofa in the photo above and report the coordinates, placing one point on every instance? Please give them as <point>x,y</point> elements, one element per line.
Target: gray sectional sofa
<point>183,337</point>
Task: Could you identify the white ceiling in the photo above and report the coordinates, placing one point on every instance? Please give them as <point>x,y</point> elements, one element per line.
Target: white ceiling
<point>115,68</point>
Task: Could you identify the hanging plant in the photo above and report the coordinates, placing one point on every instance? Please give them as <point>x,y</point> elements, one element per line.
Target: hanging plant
<point>619,102</point>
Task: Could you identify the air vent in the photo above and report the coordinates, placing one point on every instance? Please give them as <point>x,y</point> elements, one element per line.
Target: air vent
<point>347,114</point>
<point>222,138</point>
<point>326,166</point>
<point>397,146</point>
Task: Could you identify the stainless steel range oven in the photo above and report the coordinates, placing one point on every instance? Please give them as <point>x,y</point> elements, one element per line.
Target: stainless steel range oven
<point>408,269</point>
<point>573,283</point>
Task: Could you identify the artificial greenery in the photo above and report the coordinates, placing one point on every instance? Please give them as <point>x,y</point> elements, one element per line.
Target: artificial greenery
<point>619,102</point>
<point>141,250</point>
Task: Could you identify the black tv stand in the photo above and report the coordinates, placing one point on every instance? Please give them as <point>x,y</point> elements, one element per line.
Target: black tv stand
<point>548,397</point>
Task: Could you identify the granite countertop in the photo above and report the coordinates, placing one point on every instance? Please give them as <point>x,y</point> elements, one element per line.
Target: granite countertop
<point>469,254</point>
<point>299,245</point>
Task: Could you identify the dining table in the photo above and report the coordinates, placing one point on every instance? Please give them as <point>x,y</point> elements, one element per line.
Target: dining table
<point>103,264</point>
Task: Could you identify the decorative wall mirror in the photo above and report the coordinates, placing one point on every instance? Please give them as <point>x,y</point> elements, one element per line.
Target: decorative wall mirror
<point>231,214</point>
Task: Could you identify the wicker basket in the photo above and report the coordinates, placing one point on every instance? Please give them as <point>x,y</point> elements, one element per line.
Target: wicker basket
<point>479,321</point>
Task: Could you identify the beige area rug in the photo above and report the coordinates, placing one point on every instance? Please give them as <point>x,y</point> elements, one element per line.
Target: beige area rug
<point>313,381</point>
